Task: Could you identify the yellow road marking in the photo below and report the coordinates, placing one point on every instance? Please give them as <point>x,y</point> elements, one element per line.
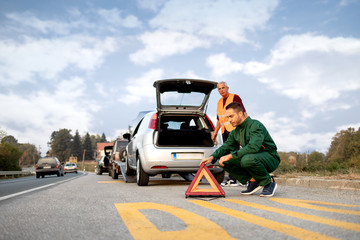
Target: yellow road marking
<point>263,222</point>
<point>307,204</point>
<point>308,217</point>
<point>197,227</point>
<point>115,181</point>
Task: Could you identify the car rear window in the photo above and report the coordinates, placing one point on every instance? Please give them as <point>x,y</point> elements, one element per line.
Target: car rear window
<point>182,123</point>
<point>46,160</point>
<point>120,145</point>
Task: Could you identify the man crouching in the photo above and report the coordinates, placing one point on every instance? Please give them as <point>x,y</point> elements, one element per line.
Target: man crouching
<point>256,158</point>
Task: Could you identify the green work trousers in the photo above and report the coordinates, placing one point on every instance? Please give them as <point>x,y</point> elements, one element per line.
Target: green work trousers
<point>257,166</point>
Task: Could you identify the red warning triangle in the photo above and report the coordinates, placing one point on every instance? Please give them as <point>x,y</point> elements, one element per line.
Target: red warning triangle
<point>215,189</point>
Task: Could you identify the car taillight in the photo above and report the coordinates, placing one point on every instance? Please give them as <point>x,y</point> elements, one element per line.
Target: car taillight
<point>37,167</point>
<point>159,167</point>
<point>211,166</point>
<point>153,121</point>
<point>65,168</point>
<point>212,125</point>
<point>57,165</point>
<point>75,167</point>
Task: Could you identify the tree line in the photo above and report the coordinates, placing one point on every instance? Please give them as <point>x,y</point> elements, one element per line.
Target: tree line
<point>62,144</point>
<point>344,152</point>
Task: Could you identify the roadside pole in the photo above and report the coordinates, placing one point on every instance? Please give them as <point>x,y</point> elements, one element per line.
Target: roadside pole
<point>84,160</point>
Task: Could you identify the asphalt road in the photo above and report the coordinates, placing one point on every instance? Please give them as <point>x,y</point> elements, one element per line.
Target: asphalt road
<point>96,207</point>
<point>10,187</point>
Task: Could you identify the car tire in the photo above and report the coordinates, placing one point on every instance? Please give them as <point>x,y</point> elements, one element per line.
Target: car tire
<point>76,172</point>
<point>37,175</point>
<point>128,170</point>
<point>142,178</point>
<point>58,174</point>
<point>219,176</point>
<point>42,176</point>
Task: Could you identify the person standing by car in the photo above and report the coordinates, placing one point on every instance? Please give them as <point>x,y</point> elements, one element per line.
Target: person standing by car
<point>222,121</point>
<point>255,160</point>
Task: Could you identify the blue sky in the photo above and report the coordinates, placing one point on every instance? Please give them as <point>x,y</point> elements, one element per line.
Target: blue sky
<point>90,65</point>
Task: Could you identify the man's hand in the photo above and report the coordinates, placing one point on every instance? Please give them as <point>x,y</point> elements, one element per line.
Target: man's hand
<point>207,160</point>
<point>213,136</point>
<point>225,159</point>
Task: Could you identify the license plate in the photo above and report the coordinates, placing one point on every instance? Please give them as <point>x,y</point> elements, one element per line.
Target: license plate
<point>188,156</point>
<point>47,167</point>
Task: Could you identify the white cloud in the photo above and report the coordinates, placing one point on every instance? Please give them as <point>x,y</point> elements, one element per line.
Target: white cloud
<point>314,69</point>
<point>77,22</point>
<point>45,111</point>
<point>27,19</point>
<point>152,5</point>
<point>223,20</point>
<point>199,24</point>
<point>113,17</point>
<point>222,65</point>
<point>161,44</point>
<point>284,132</point>
<point>141,89</point>
<point>48,57</point>
<point>356,126</point>
<point>344,3</point>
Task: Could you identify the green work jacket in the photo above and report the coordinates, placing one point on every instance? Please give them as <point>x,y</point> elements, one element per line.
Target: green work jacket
<point>252,136</point>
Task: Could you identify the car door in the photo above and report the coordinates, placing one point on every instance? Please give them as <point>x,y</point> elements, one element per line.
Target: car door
<point>185,96</point>
<point>131,147</point>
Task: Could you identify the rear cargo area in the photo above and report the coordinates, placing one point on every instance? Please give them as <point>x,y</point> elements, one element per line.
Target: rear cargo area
<point>177,130</point>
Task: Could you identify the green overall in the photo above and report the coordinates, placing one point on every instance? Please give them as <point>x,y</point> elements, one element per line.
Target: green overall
<point>257,157</point>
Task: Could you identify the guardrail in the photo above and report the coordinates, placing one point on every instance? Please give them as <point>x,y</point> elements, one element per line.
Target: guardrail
<point>13,173</point>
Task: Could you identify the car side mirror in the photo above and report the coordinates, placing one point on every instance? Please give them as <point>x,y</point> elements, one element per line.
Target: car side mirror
<point>127,136</point>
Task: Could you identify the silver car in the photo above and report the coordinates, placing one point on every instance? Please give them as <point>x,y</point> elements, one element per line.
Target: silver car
<point>176,137</point>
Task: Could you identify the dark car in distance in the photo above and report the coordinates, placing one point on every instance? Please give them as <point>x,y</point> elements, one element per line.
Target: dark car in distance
<point>49,166</point>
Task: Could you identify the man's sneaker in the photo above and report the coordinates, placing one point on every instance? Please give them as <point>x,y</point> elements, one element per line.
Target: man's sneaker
<point>252,188</point>
<point>229,183</point>
<point>269,190</point>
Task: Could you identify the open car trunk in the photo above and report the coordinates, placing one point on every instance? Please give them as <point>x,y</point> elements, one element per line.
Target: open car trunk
<point>184,131</point>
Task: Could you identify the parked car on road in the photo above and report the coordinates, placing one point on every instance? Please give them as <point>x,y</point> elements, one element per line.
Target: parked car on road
<point>49,166</point>
<point>117,155</point>
<point>70,167</point>
<point>104,162</point>
<point>176,137</point>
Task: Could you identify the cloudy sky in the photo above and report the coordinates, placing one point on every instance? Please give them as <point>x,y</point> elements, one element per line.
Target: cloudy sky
<point>90,65</point>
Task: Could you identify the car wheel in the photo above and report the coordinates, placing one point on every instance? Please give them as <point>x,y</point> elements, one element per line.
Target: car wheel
<point>219,176</point>
<point>42,175</point>
<point>58,174</point>
<point>142,178</point>
<point>37,175</point>
<point>128,170</point>
<point>76,172</point>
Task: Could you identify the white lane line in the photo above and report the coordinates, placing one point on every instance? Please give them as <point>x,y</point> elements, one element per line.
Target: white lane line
<point>35,189</point>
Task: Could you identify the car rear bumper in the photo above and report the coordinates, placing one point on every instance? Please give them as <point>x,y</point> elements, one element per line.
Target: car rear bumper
<point>157,160</point>
<point>47,171</point>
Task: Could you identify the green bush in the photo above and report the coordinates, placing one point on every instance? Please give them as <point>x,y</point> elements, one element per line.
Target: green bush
<point>9,157</point>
